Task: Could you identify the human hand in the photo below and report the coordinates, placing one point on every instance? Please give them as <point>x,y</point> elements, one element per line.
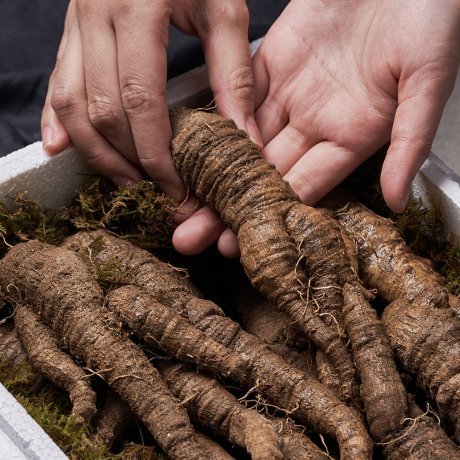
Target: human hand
<point>337,80</point>
<point>107,93</point>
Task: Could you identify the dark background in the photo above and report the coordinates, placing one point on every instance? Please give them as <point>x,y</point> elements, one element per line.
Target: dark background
<point>30,32</point>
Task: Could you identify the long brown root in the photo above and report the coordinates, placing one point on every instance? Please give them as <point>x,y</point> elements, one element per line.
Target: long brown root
<point>427,342</point>
<point>382,391</point>
<point>163,328</point>
<point>274,230</point>
<point>43,351</point>
<point>62,292</point>
<point>423,328</point>
<point>297,393</point>
<point>386,263</point>
<point>216,409</point>
<point>420,438</point>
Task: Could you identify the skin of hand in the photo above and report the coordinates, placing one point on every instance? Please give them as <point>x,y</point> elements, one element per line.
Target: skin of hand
<point>337,80</point>
<point>107,94</point>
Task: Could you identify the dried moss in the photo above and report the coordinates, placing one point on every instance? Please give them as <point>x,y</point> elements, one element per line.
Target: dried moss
<point>139,213</point>
<point>23,219</point>
<point>50,408</point>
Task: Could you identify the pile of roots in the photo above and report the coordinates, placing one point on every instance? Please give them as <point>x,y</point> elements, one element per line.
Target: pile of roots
<point>349,345</point>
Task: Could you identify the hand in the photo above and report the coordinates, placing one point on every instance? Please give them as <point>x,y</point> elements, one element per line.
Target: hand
<point>336,80</point>
<point>107,93</point>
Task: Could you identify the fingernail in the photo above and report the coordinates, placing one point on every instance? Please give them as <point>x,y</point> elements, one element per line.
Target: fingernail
<point>190,205</point>
<point>123,181</point>
<point>47,137</point>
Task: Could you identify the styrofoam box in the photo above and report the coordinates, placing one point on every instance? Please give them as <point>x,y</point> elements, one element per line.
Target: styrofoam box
<point>53,180</point>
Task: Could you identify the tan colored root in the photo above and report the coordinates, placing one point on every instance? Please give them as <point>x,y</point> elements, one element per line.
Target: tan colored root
<point>43,351</point>
<point>386,263</point>
<point>382,391</point>
<point>168,332</point>
<point>62,291</point>
<point>11,349</point>
<point>227,172</point>
<point>111,421</point>
<point>421,437</point>
<point>259,317</point>
<point>427,342</point>
<point>295,445</point>
<point>294,391</point>
<point>215,408</point>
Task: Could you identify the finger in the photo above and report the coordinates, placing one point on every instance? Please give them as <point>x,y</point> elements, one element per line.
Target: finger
<point>227,244</point>
<point>285,149</point>
<point>105,109</point>
<point>226,49</point>
<point>54,136</point>
<point>69,102</point>
<point>261,78</point>
<point>142,74</point>
<point>271,117</point>
<point>320,169</point>
<point>198,232</point>
<point>421,102</point>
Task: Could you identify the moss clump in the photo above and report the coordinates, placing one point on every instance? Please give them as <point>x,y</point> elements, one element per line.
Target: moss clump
<point>139,212</point>
<point>50,408</point>
<point>23,219</point>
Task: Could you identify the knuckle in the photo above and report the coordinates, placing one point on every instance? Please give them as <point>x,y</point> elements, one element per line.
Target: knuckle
<point>64,99</point>
<point>237,13</point>
<point>216,12</point>
<point>241,82</point>
<point>137,98</point>
<point>152,164</point>
<point>307,192</point>
<point>103,114</point>
<point>84,7</point>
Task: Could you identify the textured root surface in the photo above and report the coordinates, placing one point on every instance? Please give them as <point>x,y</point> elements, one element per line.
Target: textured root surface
<point>386,263</point>
<point>112,420</point>
<point>421,438</point>
<point>11,348</point>
<point>62,291</point>
<point>427,342</point>
<point>296,446</point>
<point>216,409</point>
<point>382,391</point>
<point>218,162</point>
<point>161,327</point>
<point>260,318</point>
<point>43,351</point>
<point>288,388</point>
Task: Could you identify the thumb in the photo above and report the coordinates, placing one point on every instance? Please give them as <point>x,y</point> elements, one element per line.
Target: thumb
<point>421,101</point>
<point>226,48</point>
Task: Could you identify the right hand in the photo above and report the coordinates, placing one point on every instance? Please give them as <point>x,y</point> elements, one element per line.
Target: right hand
<point>107,93</point>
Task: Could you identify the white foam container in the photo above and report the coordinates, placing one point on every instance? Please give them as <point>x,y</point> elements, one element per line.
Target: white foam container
<point>53,180</point>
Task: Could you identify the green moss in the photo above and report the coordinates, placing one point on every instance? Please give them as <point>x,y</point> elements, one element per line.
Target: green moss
<point>139,213</point>
<point>50,408</point>
<point>23,219</point>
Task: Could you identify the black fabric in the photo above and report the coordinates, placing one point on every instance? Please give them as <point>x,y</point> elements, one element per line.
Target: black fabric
<point>30,32</point>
